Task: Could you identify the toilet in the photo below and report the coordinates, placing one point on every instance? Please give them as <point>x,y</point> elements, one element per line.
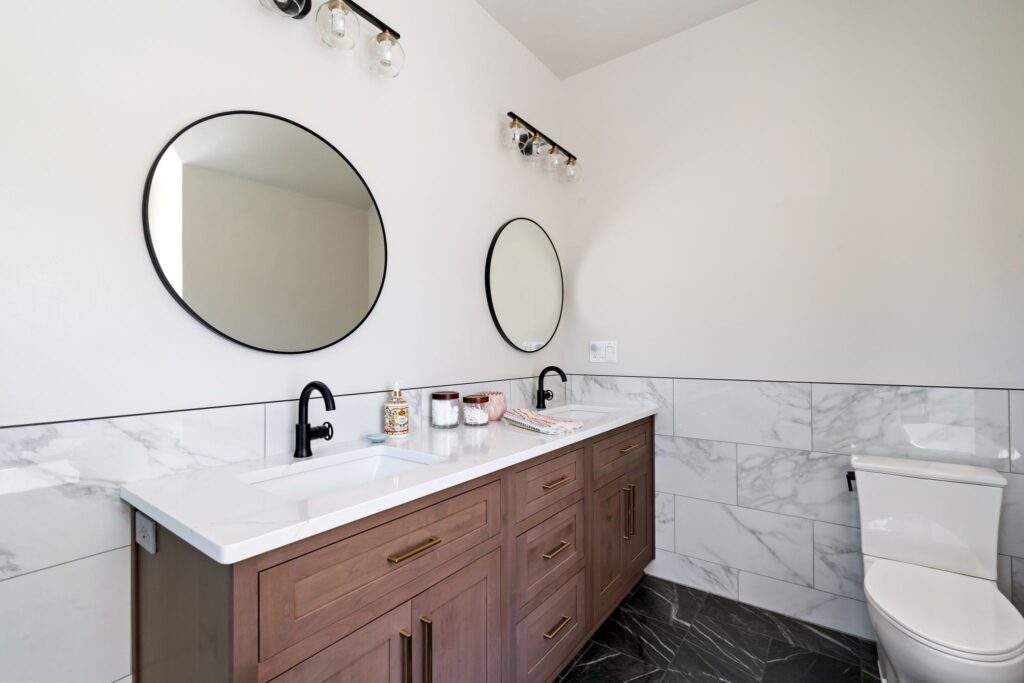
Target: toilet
<point>928,533</point>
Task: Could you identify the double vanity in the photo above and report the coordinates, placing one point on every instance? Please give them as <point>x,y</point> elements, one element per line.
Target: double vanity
<point>473,555</point>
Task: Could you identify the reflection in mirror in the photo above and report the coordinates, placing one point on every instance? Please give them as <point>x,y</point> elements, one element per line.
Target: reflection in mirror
<point>524,285</point>
<point>264,232</point>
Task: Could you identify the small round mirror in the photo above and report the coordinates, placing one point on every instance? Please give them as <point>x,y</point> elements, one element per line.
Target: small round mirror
<point>524,285</point>
<point>264,232</point>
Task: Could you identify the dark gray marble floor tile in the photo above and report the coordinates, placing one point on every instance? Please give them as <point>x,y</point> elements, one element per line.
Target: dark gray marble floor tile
<point>870,675</point>
<point>786,629</point>
<point>601,663</point>
<point>641,636</point>
<point>868,654</point>
<point>665,601</point>
<point>790,664</point>
<point>718,650</point>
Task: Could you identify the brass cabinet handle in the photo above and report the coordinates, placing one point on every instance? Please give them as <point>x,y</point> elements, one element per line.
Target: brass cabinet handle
<point>562,624</point>
<point>406,655</point>
<point>428,649</point>
<point>629,449</point>
<point>556,483</point>
<point>632,510</point>
<point>626,505</point>
<point>561,546</point>
<point>431,542</point>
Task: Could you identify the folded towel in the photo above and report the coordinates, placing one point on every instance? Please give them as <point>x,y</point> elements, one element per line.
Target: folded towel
<point>537,422</point>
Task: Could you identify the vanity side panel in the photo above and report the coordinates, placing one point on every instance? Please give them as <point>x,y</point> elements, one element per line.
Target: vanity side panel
<point>183,614</point>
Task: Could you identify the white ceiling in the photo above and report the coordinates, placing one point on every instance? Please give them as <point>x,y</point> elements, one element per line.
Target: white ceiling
<point>571,36</point>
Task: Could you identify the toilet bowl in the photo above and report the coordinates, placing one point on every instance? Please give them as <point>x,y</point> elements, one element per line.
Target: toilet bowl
<point>935,626</point>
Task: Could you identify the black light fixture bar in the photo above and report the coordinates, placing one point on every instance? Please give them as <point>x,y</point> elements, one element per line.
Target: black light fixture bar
<point>372,19</point>
<point>533,129</point>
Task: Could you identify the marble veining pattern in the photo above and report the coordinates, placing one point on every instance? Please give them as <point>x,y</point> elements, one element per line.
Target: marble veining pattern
<point>806,604</point>
<point>664,521</point>
<point>838,562</point>
<point>605,389</point>
<point>1017,582</point>
<point>802,483</point>
<point>1017,431</point>
<point>775,545</point>
<point>758,413</point>
<point>1011,521</point>
<point>968,426</point>
<point>697,468</point>
<point>699,574</point>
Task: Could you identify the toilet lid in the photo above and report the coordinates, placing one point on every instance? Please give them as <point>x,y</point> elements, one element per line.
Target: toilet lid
<point>961,613</point>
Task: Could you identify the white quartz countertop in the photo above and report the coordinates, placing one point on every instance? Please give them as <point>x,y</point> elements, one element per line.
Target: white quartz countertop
<point>227,515</point>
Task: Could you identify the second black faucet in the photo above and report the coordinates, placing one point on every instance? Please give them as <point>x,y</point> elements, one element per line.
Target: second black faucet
<point>544,396</point>
<point>305,434</point>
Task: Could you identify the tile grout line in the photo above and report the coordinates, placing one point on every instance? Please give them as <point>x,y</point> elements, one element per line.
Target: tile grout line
<point>65,562</point>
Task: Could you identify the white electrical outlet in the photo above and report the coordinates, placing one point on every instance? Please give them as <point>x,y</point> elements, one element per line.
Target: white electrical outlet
<point>145,532</point>
<point>604,352</point>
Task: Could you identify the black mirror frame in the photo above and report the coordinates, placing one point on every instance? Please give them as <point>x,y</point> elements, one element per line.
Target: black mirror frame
<point>181,301</point>
<point>487,284</point>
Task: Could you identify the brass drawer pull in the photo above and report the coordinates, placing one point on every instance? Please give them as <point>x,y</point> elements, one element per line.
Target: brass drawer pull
<point>627,506</point>
<point>632,510</point>
<point>431,542</point>
<point>406,655</point>
<point>562,624</point>
<point>629,449</point>
<point>428,649</point>
<point>561,546</point>
<point>556,483</point>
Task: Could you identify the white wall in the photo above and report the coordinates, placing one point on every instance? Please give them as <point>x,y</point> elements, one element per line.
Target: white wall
<point>807,190</point>
<point>89,100</point>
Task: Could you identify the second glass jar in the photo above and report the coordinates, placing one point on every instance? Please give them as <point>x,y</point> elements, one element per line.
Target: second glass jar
<point>474,410</point>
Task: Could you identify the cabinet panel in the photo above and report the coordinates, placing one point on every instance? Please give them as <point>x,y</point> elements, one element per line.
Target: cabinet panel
<point>380,652</point>
<point>459,626</point>
<point>548,551</point>
<point>304,596</point>
<point>607,562</point>
<point>552,631</point>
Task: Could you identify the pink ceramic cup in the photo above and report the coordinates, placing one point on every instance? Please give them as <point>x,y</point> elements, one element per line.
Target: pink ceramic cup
<point>495,404</point>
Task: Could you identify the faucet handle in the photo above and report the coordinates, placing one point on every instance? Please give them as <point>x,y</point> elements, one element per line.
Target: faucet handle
<point>548,395</point>
<point>324,431</point>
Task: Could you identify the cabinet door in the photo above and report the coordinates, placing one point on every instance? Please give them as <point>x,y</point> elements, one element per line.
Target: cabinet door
<point>607,559</point>
<point>380,652</point>
<point>458,624</point>
<point>639,512</point>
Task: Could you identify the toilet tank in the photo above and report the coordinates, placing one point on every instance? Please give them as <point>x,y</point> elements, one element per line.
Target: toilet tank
<point>929,513</point>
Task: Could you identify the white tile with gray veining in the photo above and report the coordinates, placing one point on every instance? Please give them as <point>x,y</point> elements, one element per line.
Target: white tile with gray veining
<point>1011,521</point>
<point>1017,582</point>
<point>758,413</point>
<point>801,483</point>
<point>838,562</point>
<point>523,392</point>
<point>653,390</point>
<point>818,607</point>
<point>1004,575</point>
<point>689,571</point>
<point>968,426</point>
<point>64,477</point>
<point>775,545</point>
<point>81,610</point>
<point>696,468</point>
<point>664,521</point>
<point>1017,431</point>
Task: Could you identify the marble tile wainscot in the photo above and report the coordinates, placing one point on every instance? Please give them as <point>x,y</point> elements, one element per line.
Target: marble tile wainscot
<point>62,523</point>
<point>751,499</point>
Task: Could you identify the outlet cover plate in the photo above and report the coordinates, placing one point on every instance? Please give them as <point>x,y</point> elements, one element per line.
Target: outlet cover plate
<point>604,352</point>
<point>145,532</point>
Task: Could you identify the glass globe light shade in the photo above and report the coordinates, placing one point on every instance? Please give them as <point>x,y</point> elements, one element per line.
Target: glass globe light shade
<point>337,25</point>
<point>532,148</point>
<point>386,55</point>
<point>553,160</point>
<point>512,134</point>
<point>290,9</point>
<point>571,171</point>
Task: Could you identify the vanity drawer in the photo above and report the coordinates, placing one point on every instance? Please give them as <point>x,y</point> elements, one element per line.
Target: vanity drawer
<point>548,551</point>
<point>621,451</point>
<point>301,597</point>
<point>538,486</point>
<point>546,636</point>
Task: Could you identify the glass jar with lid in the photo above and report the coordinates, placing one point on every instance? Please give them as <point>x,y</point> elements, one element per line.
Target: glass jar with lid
<point>474,410</point>
<point>444,409</point>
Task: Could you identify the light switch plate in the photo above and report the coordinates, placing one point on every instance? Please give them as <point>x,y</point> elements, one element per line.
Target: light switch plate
<point>145,532</point>
<point>604,352</point>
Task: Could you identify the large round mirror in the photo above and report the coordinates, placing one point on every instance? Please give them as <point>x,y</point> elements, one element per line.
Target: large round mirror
<point>264,232</point>
<point>524,284</point>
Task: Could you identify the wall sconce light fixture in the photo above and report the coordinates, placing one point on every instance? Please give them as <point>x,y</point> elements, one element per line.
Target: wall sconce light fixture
<point>337,23</point>
<point>535,145</point>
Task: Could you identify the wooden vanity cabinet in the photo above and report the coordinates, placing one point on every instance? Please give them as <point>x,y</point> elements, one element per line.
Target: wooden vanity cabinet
<point>499,579</point>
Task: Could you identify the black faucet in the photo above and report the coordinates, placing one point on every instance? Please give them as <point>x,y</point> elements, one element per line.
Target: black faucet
<point>304,433</point>
<point>544,396</point>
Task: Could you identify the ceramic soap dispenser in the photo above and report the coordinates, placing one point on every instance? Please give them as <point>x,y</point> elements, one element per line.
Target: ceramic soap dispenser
<point>396,415</point>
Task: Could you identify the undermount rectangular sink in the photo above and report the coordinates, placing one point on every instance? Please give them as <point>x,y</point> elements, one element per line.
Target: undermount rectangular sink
<point>580,412</point>
<point>332,473</point>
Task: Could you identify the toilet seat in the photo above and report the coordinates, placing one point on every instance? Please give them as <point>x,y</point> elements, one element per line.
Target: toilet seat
<point>960,615</point>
